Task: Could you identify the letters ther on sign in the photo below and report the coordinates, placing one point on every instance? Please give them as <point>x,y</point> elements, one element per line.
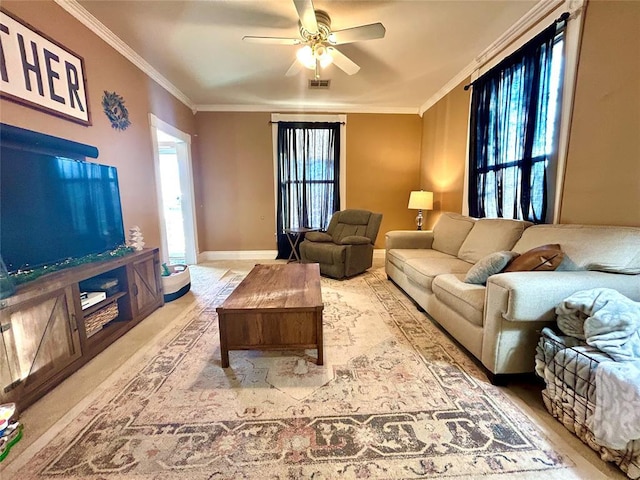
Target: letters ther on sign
<point>39,72</point>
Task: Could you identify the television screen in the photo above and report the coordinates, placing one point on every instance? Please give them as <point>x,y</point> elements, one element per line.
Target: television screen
<point>53,208</point>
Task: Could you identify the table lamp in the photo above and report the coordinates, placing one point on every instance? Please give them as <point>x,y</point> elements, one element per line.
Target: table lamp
<point>420,200</point>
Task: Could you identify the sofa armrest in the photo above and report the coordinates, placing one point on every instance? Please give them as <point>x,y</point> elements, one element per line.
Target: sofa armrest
<point>408,239</point>
<point>519,304</point>
<point>533,296</point>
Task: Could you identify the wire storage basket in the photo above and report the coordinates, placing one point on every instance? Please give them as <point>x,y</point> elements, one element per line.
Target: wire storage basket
<point>568,367</point>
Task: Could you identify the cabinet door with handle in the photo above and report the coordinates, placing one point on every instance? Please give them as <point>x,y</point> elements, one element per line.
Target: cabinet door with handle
<point>38,339</point>
<point>147,285</point>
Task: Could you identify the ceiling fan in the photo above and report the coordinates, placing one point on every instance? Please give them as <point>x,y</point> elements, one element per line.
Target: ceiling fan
<point>318,41</point>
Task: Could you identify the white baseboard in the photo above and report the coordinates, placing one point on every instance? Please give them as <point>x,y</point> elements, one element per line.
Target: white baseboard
<point>254,255</point>
<point>237,255</point>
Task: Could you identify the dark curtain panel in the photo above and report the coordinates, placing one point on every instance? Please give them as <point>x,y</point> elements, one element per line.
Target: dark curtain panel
<point>308,177</point>
<point>512,132</point>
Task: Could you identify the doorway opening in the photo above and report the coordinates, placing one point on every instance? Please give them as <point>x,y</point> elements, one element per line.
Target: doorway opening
<point>171,200</point>
<point>174,180</point>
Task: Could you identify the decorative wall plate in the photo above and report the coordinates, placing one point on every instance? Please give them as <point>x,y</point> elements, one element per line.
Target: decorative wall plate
<point>114,109</point>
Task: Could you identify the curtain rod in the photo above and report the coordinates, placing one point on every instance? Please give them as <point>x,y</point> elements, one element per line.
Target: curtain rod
<point>305,121</point>
<point>563,18</point>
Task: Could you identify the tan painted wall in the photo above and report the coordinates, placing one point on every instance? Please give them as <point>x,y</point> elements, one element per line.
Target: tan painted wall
<point>444,150</point>
<point>235,175</point>
<point>602,183</point>
<point>105,69</point>
<point>234,182</point>
<point>383,162</point>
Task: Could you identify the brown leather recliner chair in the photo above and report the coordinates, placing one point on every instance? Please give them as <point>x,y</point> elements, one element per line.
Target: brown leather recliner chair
<point>346,248</point>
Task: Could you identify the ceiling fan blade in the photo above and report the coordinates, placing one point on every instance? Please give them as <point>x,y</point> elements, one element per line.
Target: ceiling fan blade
<point>294,69</point>
<point>272,40</point>
<point>355,34</point>
<point>307,15</point>
<point>343,62</point>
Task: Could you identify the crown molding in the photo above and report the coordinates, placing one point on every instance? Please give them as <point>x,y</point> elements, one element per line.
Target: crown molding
<point>524,24</point>
<point>528,21</point>
<point>92,23</point>
<point>308,108</point>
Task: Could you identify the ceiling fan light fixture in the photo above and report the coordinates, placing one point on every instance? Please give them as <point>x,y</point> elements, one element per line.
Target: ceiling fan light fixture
<point>308,55</point>
<point>305,57</point>
<point>325,60</point>
<point>323,56</point>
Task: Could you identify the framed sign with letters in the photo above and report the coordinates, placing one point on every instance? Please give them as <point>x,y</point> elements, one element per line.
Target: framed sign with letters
<point>37,71</point>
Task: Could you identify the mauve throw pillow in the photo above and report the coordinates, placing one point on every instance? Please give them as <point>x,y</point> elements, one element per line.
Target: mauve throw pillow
<point>489,265</point>
<point>539,259</point>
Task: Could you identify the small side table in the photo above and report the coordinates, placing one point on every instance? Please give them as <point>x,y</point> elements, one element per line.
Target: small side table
<point>294,235</point>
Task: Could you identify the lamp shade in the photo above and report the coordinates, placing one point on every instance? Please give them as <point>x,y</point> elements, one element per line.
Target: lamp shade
<point>421,200</point>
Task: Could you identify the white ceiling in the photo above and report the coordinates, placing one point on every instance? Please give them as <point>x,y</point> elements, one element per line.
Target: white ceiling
<point>197,47</point>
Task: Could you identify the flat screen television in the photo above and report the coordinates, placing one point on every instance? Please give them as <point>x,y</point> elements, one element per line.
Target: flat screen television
<point>53,208</point>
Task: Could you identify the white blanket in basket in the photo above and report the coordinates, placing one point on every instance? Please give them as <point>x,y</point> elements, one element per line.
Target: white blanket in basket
<point>616,419</point>
<point>606,319</point>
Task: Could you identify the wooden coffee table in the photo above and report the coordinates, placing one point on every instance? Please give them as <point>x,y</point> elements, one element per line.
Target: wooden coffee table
<point>276,307</point>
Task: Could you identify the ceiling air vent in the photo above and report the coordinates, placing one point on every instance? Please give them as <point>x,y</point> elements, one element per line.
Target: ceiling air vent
<point>316,84</point>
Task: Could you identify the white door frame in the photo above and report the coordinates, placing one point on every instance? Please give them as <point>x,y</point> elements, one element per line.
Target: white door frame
<point>183,153</point>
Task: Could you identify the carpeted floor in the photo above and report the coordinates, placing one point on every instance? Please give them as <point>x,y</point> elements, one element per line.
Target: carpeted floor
<point>396,398</point>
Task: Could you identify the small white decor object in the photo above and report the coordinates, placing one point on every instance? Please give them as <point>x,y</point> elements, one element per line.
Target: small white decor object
<point>136,240</point>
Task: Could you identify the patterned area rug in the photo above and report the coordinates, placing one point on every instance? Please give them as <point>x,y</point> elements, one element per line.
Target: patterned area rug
<point>395,399</point>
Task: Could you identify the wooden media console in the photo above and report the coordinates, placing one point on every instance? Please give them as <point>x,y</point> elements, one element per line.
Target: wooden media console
<point>46,334</point>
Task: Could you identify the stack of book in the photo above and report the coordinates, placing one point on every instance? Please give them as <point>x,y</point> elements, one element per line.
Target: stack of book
<point>10,429</point>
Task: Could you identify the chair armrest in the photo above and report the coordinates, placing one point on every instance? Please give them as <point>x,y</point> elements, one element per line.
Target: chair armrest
<point>408,239</point>
<point>355,240</point>
<point>318,237</point>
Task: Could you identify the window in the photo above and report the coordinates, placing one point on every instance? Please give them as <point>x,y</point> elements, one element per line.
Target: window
<point>514,130</point>
<point>308,173</point>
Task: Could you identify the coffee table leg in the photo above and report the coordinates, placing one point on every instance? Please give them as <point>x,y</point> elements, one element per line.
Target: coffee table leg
<point>320,360</point>
<point>224,351</point>
<point>224,357</point>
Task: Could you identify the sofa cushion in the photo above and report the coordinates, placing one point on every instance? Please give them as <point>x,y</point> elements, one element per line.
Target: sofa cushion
<point>631,268</point>
<point>539,259</point>
<point>489,265</point>
<point>398,256</point>
<point>422,271</point>
<point>450,231</point>
<point>588,246</point>
<point>464,298</point>
<point>490,235</point>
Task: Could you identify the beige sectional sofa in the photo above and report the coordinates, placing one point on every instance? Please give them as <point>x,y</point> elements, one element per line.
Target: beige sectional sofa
<point>500,323</point>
